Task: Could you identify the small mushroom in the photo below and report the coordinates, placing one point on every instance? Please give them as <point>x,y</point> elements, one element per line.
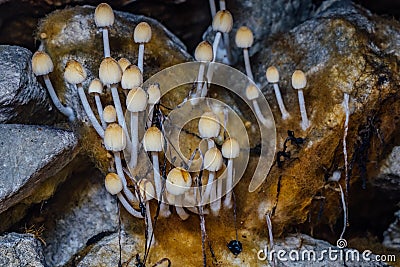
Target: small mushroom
<point>136,101</point>
<point>131,77</point>
<point>114,186</point>
<point>142,35</point>
<point>75,74</point>
<point>96,88</point>
<point>252,94</point>
<point>147,193</point>
<point>42,66</point>
<point>230,151</point>
<point>209,127</point>
<point>178,182</point>
<point>153,143</point>
<point>244,39</point>
<point>212,163</point>
<point>154,97</point>
<point>124,63</point>
<point>299,82</point>
<point>109,114</point>
<point>203,54</point>
<point>115,141</point>
<point>222,24</point>
<point>272,74</point>
<point>104,18</point>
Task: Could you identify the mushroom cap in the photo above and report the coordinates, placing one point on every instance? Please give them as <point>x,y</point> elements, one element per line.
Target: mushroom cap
<point>142,33</point>
<point>123,63</point>
<point>213,159</point>
<point>299,80</point>
<point>222,21</point>
<point>95,86</point>
<point>74,73</point>
<point>109,114</point>
<point>131,77</point>
<point>104,15</point>
<point>203,52</point>
<point>209,125</point>
<point>244,37</point>
<point>153,140</point>
<point>146,189</point>
<point>136,100</point>
<point>251,92</point>
<point>154,93</point>
<point>114,138</point>
<point>113,183</point>
<point>272,74</point>
<point>178,181</point>
<point>230,148</point>
<point>41,63</point>
<point>110,72</point>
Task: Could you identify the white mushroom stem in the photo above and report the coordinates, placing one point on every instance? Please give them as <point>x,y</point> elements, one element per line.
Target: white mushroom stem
<point>149,224</point>
<point>222,5</point>
<point>128,207</point>
<point>199,84</point>
<point>260,116</point>
<point>344,211</point>
<point>216,195</point>
<point>247,63</point>
<point>212,8</point>
<point>209,187</point>
<point>106,43</point>
<point>346,100</point>
<point>216,44</point>
<point>304,119</point>
<point>140,57</point>
<point>164,208</point>
<point>157,177</point>
<point>281,105</point>
<point>67,111</point>
<point>150,115</point>
<point>96,125</point>
<point>271,236</point>
<point>227,47</point>
<point>100,110</point>
<point>135,139</point>
<point>229,184</point>
<point>120,172</point>
<point>210,70</point>
<point>179,209</point>
<point>118,108</point>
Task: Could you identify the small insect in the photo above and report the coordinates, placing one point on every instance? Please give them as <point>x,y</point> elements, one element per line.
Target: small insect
<point>286,154</point>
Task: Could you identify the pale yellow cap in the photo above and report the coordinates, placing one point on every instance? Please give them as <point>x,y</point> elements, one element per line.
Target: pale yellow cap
<point>251,92</point>
<point>244,37</point>
<point>178,181</point>
<point>154,93</point>
<point>222,21</point>
<point>124,63</point>
<point>230,148</point>
<point>203,52</point>
<point>153,140</point>
<point>109,114</point>
<point>114,138</point>
<point>142,33</point>
<point>104,15</point>
<point>209,125</point>
<point>132,77</point>
<point>299,80</point>
<point>213,159</point>
<point>272,74</point>
<point>136,100</point>
<point>95,86</point>
<point>41,63</point>
<point>113,183</point>
<point>146,189</point>
<point>110,72</point>
<point>74,73</point>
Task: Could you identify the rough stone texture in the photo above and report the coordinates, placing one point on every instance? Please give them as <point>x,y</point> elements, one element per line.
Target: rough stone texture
<point>22,98</point>
<point>17,250</point>
<point>388,180</point>
<point>391,237</point>
<point>81,213</point>
<point>30,155</point>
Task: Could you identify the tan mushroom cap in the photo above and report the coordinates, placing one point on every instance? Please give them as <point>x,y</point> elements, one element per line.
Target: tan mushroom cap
<point>222,21</point>
<point>142,33</point>
<point>104,15</point>
<point>95,86</point>
<point>272,74</point>
<point>230,148</point>
<point>154,94</point>
<point>74,73</point>
<point>124,63</point>
<point>146,189</point>
<point>203,52</point>
<point>41,63</point>
<point>244,37</point>
<point>299,80</point>
<point>132,77</point>
<point>110,72</point>
<point>178,181</point>
<point>136,100</point>
<point>109,114</point>
<point>153,140</point>
<point>213,159</point>
<point>113,183</point>
<point>209,125</point>
<point>251,92</point>
<point>114,138</point>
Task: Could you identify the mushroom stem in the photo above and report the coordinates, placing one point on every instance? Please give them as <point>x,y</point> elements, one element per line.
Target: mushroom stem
<point>67,111</point>
<point>156,170</point>
<point>164,209</point>
<point>271,236</point>
<point>216,44</point>
<point>179,209</point>
<point>281,105</point>
<point>150,115</point>
<point>227,48</point>
<point>260,116</point>
<point>99,107</point>
<point>212,8</point>
<point>222,5</point>
<point>149,224</point>
<point>89,112</point>
<point>120,172</point>
<point>210,143</point>
<point>209,187</point>
<point>247,63</point>
<point>199,83</point>
<point>216,195</point>
<point>346,100</point>
<point>128,207</point>
<point>304,119</point>
<point>118,109</point>
<point>229,183</point>
<point>106,43</point>
<point>140,57</point>
<point>342,196</point>
<point>135,139</point>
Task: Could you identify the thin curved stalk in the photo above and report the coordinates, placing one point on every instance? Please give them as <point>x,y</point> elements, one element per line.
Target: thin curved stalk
<point>96,125</point>
<point>128,207</point>
<point>99,107</point>
<point>229,184</point>
<point>67,111</point>
<point>135,139</point>
<point>304,119</point>
<point>247,63</point>
<point>120,172</point>
<point>281,105</point>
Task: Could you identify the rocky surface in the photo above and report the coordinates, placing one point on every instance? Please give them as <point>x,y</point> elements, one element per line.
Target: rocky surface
<point>20,250</point>
<point>388,180</point>
<point>391,237</point>
<point>22,98</point>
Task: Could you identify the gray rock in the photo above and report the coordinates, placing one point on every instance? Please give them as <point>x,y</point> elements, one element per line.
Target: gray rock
<point>22,98</point>
<point>18,250</point>
<point>391,237</point>
<point>81,213</point>
<point>30,155</point>
<point>388,181</point>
